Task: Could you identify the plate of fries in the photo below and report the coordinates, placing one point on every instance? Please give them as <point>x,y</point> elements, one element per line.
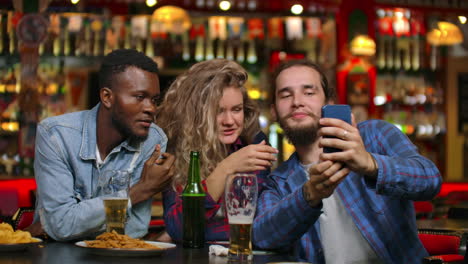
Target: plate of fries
<point>11,240</point>
<point>113,244</point>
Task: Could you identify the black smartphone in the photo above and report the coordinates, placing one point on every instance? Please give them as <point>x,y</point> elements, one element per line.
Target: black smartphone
<point>342,112</point>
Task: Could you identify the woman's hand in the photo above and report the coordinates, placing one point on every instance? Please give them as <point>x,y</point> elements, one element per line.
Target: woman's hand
<point>251,158</point>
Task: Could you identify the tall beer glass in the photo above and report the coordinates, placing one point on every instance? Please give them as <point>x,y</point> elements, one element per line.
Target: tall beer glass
<point>241,200</point>
<point>114,186</point>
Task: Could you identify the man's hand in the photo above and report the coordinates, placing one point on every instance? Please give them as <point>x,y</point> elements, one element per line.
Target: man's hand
<point>36,229</point>
<point>156,175</point>
<point>354,154</point>
<point>324,177</point>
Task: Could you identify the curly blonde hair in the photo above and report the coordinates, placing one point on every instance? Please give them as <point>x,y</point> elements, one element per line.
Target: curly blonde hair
<point>188,114</point>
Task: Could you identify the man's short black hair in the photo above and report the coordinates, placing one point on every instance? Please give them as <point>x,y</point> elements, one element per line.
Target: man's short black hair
<point>119,60</point>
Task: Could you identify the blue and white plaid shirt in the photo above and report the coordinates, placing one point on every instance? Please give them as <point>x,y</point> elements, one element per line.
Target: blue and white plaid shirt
<point>382,210</point>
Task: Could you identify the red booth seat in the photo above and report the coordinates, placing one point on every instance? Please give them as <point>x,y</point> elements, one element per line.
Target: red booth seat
<point>24,188</point>
<point>446,246</point>
<point>9,201</point>
<point>448,187</point>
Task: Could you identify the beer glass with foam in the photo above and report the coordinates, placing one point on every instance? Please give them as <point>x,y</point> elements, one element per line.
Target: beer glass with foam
<point>114,186</point>
<point>241,201</point>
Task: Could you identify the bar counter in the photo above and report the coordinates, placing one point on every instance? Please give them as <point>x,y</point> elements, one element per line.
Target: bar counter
<point>443,224</point>
<point>58,252</point>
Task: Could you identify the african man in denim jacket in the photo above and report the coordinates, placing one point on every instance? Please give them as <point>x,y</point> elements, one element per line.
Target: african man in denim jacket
<point>74,150</point>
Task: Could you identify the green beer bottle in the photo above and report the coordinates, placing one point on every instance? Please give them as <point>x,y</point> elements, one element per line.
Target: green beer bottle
<point>193,206</point>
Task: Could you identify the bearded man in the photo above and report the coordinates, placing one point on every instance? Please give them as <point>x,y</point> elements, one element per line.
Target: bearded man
<point>74,150</point>
<point>352,206</point>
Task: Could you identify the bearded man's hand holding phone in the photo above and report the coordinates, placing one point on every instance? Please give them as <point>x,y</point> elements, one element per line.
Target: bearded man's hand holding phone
<point>342,112</point>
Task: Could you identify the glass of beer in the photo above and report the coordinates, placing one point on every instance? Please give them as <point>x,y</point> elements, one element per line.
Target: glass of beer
<point>241,200</point>
<point>114,186</point>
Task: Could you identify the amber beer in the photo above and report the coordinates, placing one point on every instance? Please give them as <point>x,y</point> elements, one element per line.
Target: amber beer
<point>240,243</point>
<point>116,214</point>
<point>241,193</point>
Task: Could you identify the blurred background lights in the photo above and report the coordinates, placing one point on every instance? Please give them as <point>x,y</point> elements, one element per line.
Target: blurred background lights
<point>282,55</point>
<point>263,121</point>
<point>297,9</point>
<point>151,3</point>
<point>252,5</point>
<point>362,45</point>
<point>421,130</point>
<point>380,12</point>
<point>380,100</point>
<point>75,1</point>
<point>224,5</point>
<point>254,94</point>
<point>273,135</point>
<point>429,129</point>
<point>462,19</point>
<point>399,127</point>
<point>399,14</point>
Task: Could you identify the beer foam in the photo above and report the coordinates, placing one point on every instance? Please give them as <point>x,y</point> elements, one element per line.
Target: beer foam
<point>240,220</point>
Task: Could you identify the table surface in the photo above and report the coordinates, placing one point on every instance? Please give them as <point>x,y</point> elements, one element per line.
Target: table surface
<point>57,252</point>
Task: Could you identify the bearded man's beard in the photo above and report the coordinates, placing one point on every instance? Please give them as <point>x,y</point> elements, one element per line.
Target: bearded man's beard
<point>301,135</point>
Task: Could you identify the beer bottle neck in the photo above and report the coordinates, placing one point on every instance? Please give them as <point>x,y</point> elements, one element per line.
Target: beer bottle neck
<point>194,168</point>
<point>193,181</point>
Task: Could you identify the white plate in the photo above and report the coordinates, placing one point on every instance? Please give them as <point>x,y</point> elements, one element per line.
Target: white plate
<point>18,246</point>
<point>129,252</point>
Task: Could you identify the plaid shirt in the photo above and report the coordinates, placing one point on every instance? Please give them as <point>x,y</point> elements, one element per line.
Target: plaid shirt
<point>382,210</point>
<point>217,225</point>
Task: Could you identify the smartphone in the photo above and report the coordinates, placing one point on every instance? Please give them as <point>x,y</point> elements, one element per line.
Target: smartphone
<point>342,112</point>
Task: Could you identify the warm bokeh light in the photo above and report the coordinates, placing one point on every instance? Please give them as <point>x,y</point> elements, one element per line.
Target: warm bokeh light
<point>74,1</point>
<point>151,3</point>
<point>297,9</point>
<point>10,126</point>
<point>462,19</point>
<point>263,120</point>
<point>175,19</point>
<point>399,14</point>
<point>380,100</point>
<point>224,5</point>
<point>362,45</point>
<point>254,94</point>
<point>445,34</point>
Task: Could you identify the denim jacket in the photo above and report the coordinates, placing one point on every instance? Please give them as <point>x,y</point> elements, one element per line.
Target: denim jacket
<point>68,202</point>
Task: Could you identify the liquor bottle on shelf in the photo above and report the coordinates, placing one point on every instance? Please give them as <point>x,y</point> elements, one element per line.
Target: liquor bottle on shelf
<point>1,33</point>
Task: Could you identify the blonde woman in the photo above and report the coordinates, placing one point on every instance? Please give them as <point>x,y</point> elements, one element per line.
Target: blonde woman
<point>207,109</point>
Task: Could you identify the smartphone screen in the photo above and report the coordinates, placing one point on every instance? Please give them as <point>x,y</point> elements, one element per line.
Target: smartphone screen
<point>342,112</point>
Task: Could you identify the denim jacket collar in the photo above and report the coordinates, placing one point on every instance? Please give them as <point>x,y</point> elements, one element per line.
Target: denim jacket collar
<point>89,139</point>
